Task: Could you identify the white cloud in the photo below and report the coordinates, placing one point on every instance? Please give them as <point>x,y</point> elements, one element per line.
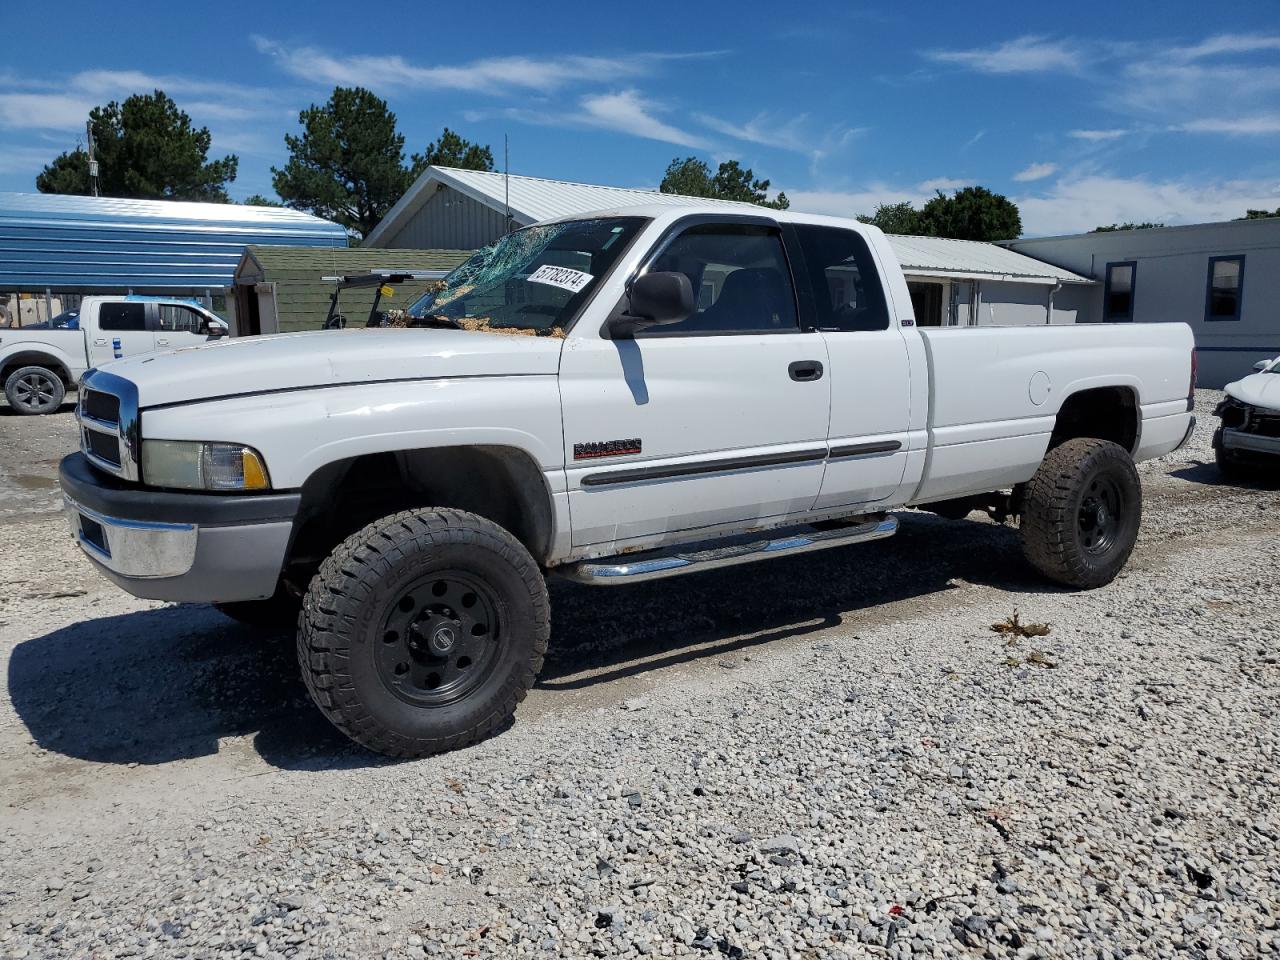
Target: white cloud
<point>44,111</point>
<point>488,75</point>
<point>1035,171</point>
<point>1228,43</point>
<point>1263,124</point>
<point>1077,204</point>
<point>1097,136</point>
<point>942,183</point>
<point>629,112</point>
<point>794,134</point>
<point>1027,54</point>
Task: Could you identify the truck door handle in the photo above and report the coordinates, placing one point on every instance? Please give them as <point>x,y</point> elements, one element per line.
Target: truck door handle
<point>805,370</point>
<point>164,342</point>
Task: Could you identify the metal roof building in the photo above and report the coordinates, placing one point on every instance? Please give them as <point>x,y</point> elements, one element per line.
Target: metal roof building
<point>73,245</point>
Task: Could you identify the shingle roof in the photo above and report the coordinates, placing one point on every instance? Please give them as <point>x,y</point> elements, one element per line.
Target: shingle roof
<point>70,242</point>
<point>942,256</point>
<point>302,298</point>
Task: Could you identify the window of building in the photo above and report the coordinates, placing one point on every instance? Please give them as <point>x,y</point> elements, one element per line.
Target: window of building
<point>1226,288</point>
<point>740,272</point>
<point>846,288</point>
<point>122,316</point>
<point>926,302</point>
<point>1117,296</point>
<point>178,319</point>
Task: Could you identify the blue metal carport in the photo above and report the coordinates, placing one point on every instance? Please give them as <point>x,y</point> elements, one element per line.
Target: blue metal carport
<point>71,245</point>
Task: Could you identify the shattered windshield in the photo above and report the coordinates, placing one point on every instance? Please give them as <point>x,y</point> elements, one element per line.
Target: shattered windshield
<point>531,281</point>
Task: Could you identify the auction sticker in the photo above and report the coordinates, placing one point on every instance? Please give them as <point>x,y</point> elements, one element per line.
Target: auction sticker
<point>563,277</point>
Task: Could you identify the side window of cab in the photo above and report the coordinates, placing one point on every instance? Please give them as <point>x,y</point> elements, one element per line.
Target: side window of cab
<point>847,292</point>
<point>740,277</point>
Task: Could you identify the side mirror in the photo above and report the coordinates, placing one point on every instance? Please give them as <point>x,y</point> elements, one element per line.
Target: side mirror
<point>218,329</point>
<point>1262,365</point>
<point>655,299</point>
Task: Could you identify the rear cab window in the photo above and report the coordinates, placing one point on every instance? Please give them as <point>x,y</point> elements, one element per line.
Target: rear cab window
<point>847,292</point>
<point>122,316</point>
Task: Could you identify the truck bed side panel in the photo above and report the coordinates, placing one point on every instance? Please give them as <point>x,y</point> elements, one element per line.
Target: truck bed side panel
<point>995,394</point>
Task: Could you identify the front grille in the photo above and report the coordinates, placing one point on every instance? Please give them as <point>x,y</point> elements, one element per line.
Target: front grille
<point>100,406</point>
<point>109,424</point>
<point>104,446</point>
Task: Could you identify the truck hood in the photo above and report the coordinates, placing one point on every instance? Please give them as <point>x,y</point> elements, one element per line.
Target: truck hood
<point>1257,390</point>
<point>324,358</point>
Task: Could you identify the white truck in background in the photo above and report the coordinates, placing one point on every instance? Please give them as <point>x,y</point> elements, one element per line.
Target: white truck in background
<point>614,398</point>
<point>40,363</point>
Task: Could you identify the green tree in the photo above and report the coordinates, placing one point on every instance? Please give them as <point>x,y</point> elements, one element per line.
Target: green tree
<point>145,147</point>
<point>971,213</point>
<point>692,177</point>
<point>1113,227</point>
<point>258,200</point>
<point>1260,214</point>
<point>348,164</point>
<point>452,150</point>
<point>895,218</point>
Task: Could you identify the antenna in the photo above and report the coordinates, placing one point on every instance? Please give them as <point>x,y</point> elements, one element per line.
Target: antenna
<point>506,176</point>
<point>93,164</point>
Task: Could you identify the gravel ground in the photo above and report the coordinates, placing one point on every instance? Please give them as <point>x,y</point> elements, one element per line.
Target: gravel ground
<point>822,757</point>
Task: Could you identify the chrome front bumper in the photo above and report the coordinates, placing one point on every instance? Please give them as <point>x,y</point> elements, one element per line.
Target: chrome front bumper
<point>185,547</point>
<point>133,548</point>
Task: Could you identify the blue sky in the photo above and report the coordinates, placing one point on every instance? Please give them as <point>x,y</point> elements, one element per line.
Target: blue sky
<point>1143,111</point>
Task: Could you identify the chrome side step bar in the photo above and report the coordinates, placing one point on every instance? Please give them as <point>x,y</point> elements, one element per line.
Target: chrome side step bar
<point>654,565</point>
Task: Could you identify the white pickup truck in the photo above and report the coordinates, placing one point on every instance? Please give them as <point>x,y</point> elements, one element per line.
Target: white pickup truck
<point>633,394</point>
<point>40,363</point>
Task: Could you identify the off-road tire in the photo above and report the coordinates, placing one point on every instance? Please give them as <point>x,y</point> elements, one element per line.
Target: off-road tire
<point>1055,531</point>
<point>32,391</point>
<point>278,613</point>
<point>361,583</point>
<point>1230,464</point>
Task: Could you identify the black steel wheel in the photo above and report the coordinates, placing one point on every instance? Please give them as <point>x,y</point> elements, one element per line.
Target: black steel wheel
<point>1100,513</point>
<point>423,631</point>
<point>440,639</point>
<point>34,390</point>
<point>1081,513</point>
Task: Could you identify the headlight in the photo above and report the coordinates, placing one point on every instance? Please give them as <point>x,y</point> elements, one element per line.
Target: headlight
<point>193,465</point>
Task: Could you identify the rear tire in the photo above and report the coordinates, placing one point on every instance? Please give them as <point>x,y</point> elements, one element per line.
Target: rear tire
<point>1081,513</point>
<point>423,631</point>
<point>32,391</point>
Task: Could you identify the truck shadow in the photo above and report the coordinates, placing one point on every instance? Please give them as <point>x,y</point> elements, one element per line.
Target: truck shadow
<point>1262,477</point>
<point>157,686</point>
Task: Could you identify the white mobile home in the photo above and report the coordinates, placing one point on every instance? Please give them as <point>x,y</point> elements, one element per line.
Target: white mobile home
<point>1221,278</point>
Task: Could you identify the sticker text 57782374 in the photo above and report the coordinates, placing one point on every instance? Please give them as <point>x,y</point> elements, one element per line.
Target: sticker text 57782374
<point>565,278</point>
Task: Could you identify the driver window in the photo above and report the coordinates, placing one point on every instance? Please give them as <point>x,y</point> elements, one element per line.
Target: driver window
<point>178,319</point>
<point>740,278</point>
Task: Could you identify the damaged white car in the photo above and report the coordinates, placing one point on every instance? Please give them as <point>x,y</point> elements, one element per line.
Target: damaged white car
<point>1250,431</point>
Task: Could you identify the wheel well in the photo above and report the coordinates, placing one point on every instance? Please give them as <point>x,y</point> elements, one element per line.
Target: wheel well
<point>502,484</point>
<point>33,359</point>
<point>1104,413</point>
